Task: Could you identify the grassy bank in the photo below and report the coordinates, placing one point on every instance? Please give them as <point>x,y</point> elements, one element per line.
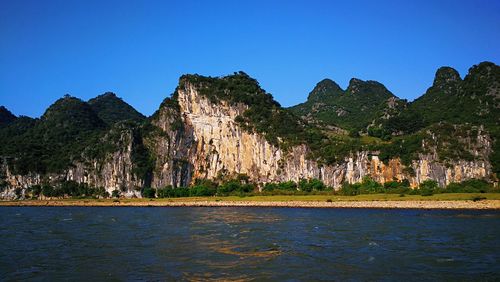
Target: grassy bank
<point>324,198</point>
<point>286,198</point>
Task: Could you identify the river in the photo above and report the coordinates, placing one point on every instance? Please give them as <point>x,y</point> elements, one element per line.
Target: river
<point>263,244</point>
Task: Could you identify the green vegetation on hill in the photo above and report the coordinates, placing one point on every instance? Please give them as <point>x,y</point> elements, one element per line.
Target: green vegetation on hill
<point>112,109</point>
<point>426,188</point>
<point>16,145</point>
<point>69,131</point>
<point>53,142</point>
<point>449,142</point>
<point>474,100</point>
<point>353,109</point>
<point>445,118</point>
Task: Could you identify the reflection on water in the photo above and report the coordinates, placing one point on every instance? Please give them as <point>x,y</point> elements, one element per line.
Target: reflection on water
<point>229,235</point>
<point>242,244</point>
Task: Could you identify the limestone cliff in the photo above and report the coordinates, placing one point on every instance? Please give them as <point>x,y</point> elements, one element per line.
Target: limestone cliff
<point>113,172</point>
<point>211,144</point>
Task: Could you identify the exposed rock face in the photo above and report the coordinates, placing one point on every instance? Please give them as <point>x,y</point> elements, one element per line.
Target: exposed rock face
<point>213,144</point>
<point>112,173</point>
<point>172,149</point>
<point>426,168</point>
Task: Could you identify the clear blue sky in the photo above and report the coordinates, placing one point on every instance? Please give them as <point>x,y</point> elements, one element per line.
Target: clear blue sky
<point>138,49</point>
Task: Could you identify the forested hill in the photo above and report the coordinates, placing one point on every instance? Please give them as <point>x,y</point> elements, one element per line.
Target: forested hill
<point>353,109</point>
<point>368,108</point>
<point>66,130</point>
<point>475,100</point>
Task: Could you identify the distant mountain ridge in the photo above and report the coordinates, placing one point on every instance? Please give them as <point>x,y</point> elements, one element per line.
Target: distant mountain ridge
<point>70,125</point>
<point>475,99</point>
<point>354,108</point>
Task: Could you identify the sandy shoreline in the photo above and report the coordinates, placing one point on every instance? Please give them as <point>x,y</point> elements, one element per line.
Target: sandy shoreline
<point>478,205</point>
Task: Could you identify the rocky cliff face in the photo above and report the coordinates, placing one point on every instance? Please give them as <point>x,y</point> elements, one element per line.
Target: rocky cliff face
<point>114,172</point>
<point>211,144</point>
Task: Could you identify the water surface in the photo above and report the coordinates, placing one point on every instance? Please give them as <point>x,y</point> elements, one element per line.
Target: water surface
<point>294,244</point>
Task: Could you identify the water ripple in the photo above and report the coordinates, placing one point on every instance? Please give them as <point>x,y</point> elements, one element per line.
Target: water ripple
<point>245,244</point>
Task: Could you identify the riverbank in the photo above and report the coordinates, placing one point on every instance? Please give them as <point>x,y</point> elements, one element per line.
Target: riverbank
<point>385,201</point>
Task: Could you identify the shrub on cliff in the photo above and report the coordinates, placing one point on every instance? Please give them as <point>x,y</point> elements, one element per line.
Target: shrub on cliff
<point>203,188</point>
<point>470,186</point>
<point>35,191</point>
<point>428,188</point>
<point>47,190</point>
<point>171,192</point>
<point>148,192</point>
<point>370,186</point>
<point>201,191</point>
<point>397,187</point>
<point>311,185</point>
<point>269,187</point>
<point>115,194</point>
<point>350,189</point>
<point>281,186</point>
<point>235,187</point>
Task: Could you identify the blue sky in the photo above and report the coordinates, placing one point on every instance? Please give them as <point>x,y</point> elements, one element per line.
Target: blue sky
<point>138,49</point>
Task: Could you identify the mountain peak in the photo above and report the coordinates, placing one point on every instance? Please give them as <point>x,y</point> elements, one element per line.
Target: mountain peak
<point>354,85</point>
<point>108,94</point>
<point>445,76</point>
<point>235,88</point>
<point>369,87</point>
<point>483,66</point>
<point>328,83</point>
<point>69,117</point>
<point>66,105</point>
<point>352,109</point>
<point>112,109</point>
<point>484,70</point>
<point>355,81</point>
<point>325,87</point>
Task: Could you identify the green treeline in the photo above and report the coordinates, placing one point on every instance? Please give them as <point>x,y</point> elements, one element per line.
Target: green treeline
<point>66,189</point>
<point>426,188</point>
<point>237,187</point>
<point>240,186</point>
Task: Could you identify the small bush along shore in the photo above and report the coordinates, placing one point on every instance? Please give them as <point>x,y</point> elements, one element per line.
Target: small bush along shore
<point>241,186</point>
